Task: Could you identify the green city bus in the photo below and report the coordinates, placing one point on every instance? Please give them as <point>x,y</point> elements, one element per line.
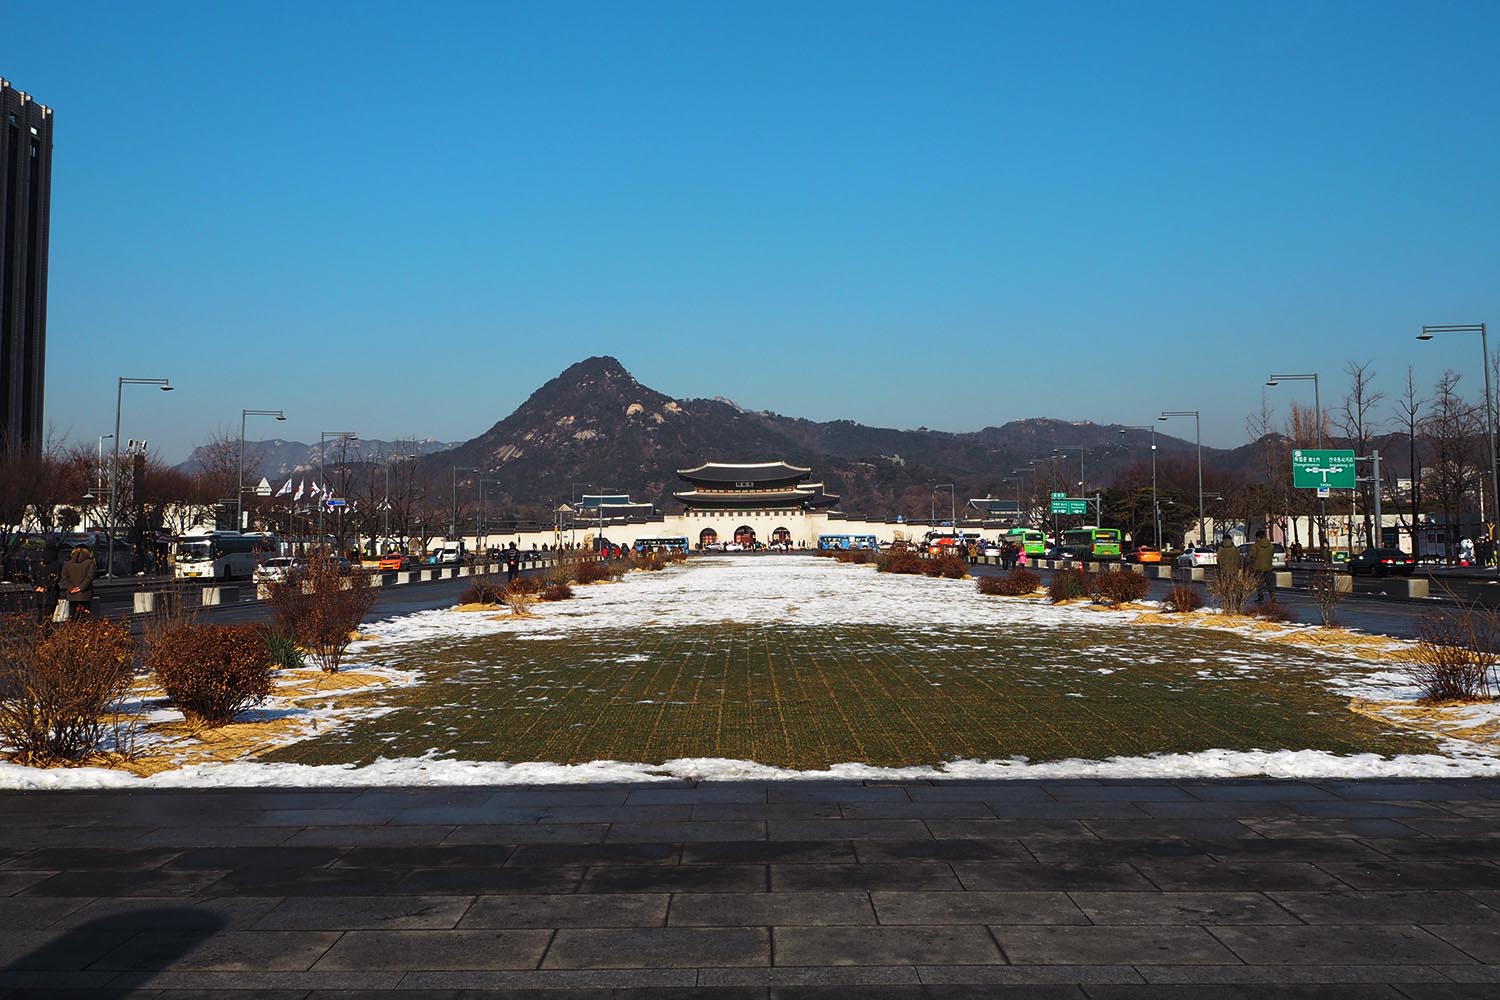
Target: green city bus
<point>1093,543</point>
<point>1033,541</point>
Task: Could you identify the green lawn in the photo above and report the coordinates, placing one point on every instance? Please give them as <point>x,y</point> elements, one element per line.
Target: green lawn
<point>809,697</point>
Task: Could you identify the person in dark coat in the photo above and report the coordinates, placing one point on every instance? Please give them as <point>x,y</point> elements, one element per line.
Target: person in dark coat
<point>512,563</point>
<point>45,581</point>
<point>77,582</point>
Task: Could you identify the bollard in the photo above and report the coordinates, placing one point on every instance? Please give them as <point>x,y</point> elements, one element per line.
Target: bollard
<point>1282,581</point>
<point>220,595</point>
<point>1416,587</point>
<point>145,602</point>
<point>1136,568</point>
<point>1164,572</point>
<point>1343,583</point>
<point>1195,573</point>
<point>408,576</point>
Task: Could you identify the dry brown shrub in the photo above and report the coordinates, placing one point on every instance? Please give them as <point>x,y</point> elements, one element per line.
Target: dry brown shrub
<point>1456,653</point>
<point>61,689</point>
<point>1232,587</point>
<point>1326,595</point>
<point>1272,612</point>
<point>211,672</point>
<point>946,565</point>
<point>483,589</point>
<point>321,609</point>
<point>1119,588</point>
<point>899,561</point>
<point>590,571</point>
<point>1184,597</point>
<point>557,591</point>
<point>1019,583</point>
<point>516,601</point>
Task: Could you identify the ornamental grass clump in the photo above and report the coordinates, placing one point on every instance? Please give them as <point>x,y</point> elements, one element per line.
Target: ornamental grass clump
<point>62,689</point>
<point>1183,598</point>
<point>211,672</point>
<point>1119,588</point>
<point>1456,654</point>
<point>1068,585</point>
<point>321,610</point>
<point>282,650</point>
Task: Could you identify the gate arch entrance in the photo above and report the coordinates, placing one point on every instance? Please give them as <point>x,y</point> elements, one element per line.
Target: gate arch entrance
<point>744,534</point>
<point>707,536</point>
<point>781,536</point>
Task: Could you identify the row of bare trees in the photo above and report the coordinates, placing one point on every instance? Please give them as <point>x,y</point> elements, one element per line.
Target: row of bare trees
<point>1445,465</point>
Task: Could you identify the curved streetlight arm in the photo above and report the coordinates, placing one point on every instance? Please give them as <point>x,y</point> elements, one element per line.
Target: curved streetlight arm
<point>1198,436</point>
<point>165,384</point>
<point>1490,413</point>
<point>239,492</point>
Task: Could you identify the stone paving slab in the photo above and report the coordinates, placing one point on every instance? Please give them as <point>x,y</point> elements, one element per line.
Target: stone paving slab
<point>795,890</point>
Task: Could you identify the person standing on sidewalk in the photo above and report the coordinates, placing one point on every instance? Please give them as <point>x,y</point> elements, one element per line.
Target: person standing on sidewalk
<point>512,563</point>
<point>77,582</point>
<point>1262,563</point>
<point>45,582</point>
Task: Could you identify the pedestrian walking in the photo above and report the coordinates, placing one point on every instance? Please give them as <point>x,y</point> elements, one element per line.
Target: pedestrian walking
<point>45,580</point>
<point>1262,561</point>
<point>77,582</point>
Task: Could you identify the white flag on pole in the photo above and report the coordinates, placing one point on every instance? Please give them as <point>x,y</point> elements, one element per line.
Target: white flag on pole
<point>300,487</point>
<point>285,489</point>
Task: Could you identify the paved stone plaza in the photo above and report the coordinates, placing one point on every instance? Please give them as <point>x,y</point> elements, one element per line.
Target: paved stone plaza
<point>795,890</point>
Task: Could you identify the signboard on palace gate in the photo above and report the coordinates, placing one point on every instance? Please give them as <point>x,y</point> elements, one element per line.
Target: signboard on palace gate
<point>1330,467</point>
<point>1070,506</point>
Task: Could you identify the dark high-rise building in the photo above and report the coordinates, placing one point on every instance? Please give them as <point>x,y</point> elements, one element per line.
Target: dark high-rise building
<point>25,213</point>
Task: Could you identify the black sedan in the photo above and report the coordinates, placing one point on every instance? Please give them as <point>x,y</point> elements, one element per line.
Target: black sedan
<point>1381,562</point>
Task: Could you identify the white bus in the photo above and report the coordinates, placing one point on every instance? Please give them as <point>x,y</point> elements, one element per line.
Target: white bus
<point>221,555</point>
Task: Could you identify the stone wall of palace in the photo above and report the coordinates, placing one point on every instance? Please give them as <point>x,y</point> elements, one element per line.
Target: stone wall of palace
<point>803,528</point>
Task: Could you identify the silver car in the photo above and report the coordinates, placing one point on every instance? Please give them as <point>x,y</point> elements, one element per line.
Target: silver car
<point>279,569</point>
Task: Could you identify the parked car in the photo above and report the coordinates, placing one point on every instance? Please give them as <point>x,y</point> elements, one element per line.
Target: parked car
<point>1199,555</point>
<point>1063,552</point>
<point>279,569</point>
<point>1381,562</point>
<point>1278,555</point>
<point>1145,554</point>
<point>397,561</point>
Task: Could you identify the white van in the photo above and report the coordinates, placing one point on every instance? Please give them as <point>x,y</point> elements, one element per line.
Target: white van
<point>451,554</point>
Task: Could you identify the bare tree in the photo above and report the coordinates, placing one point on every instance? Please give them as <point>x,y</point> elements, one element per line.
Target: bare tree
<point>1409,409</point>
<point>1452,430</point>
<point>1355,421</point>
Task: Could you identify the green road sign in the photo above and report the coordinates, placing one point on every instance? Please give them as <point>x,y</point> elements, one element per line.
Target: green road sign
<point>1059,496</point>
<point>1070,506</point>
<point>1331,467</point>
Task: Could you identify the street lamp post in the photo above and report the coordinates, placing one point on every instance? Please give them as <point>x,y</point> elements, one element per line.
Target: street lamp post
<point>1018,473</point>
<point>165,384</point>
<point>1198,437</point>
<point>1082,492</point>
<point>323,470</point>
<point>1155,512</point>
<point>1318,437</point>
<point>952,503</point>
<point>453,525</point>
<point>239,492</point>
<point>480,485</point>
<point>1489,412</point>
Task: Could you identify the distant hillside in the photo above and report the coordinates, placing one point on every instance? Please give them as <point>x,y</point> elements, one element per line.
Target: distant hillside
<point>279,457</point>
<point>595,423</point>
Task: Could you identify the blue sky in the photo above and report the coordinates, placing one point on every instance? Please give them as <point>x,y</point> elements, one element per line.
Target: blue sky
<point>401,219</point>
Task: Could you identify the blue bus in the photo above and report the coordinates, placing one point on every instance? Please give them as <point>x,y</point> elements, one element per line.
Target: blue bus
<point>652,544</point>
<point>846,541</point>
